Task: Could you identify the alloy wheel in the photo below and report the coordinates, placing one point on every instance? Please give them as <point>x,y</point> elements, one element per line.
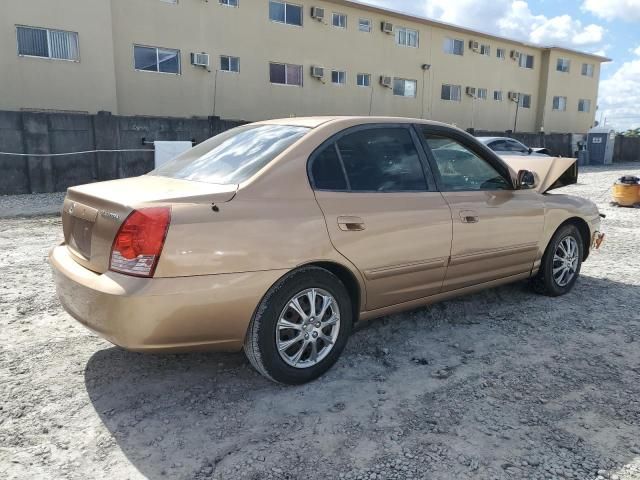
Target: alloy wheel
<point>565,261</point>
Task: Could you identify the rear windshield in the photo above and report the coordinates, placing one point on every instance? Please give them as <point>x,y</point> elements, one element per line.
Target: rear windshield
<point>233,156</point>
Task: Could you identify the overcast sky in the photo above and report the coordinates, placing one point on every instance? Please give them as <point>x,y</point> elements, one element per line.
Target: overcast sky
<point>606,27</point>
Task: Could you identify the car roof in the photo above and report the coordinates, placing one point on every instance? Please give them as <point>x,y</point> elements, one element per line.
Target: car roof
<point>313,122</point>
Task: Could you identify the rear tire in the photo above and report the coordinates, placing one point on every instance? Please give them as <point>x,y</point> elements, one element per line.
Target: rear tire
<point>300,327</point>
<point>561,263</point>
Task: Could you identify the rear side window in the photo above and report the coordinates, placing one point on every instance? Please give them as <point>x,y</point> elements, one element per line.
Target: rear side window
<point>327,171</point>
<point>233,156</point>
<point>382,160</point>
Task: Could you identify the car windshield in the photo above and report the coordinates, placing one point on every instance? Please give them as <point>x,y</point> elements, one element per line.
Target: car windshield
<point>233,156</point>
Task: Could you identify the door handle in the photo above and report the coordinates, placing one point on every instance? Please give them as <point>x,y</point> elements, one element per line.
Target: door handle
<point>469,216</point>
<point>350,224</point>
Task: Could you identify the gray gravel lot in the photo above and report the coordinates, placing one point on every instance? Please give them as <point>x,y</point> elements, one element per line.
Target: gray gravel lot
<point>503,384</point>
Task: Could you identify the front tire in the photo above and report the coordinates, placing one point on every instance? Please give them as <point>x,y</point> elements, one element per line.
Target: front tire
<point>300,327</point>
<point>561,263</point>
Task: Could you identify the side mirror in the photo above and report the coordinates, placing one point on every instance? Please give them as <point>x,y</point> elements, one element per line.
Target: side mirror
<point>526,180</point>
<point>530,150</point>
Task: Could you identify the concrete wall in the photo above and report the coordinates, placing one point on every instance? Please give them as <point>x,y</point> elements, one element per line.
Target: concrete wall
<point>105,77</point>
<point>43,133</point>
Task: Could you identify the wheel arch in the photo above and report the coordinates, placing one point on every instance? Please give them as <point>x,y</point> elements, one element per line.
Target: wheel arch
<point>349,280</point>
<point>585,233</point>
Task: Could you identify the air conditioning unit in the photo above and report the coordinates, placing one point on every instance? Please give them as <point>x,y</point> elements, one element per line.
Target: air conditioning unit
<point>317,13</point>
<point>475,46</point>
<point>514,96</point>
<point>515,55</point>
<point>317,72</point>
<point>200,59</point>
<point>386,81</point>
<point>471,91</point>
<point>387,27</point>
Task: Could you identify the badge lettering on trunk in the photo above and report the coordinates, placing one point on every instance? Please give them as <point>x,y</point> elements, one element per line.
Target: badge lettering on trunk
<point>110,215</point>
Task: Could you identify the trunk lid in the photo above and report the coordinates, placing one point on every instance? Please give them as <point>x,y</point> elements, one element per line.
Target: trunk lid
<point>93,213</point>
<point>551,172</point>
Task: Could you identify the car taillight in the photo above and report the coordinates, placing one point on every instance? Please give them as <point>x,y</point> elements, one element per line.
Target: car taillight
<point>139,241</point>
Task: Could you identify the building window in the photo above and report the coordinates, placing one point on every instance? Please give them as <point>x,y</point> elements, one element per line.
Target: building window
<point>560,103</point>
<point>501,53</point>
<point>406,37</point>
<point>451,92</point>
<point>338,77</point>
<point>174,2</point>
<point>364,25</point>
<point>524,100</point>
<point>154,59</point>
<point>288,13</point>
<point>46,43</point>
<point>229,3</point>
<point>364,80</point>
<point>404,88</point>
<point>482,93</point>
<point>285,74</point>
<point>453,46</point>
<point>587,69</point>
<point>563,65</point>
<point>526,61</point>
<point>339,20</point>
<point>497,95</point>
<point>485,50</point>
<point>229,64</point>
<point>584,105</point>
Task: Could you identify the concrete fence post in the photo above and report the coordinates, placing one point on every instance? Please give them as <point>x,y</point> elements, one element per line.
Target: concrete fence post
<point>107,137</point>
<point>35,128</point>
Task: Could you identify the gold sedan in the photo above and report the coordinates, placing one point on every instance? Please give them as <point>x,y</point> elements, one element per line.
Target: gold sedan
<point>278,236</point>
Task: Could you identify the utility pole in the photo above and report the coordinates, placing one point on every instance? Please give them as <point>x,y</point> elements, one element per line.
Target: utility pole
<point>515,121</point>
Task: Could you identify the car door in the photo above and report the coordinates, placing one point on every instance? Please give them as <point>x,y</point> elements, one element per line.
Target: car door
<point>383,211</point>
<point>496,229</point>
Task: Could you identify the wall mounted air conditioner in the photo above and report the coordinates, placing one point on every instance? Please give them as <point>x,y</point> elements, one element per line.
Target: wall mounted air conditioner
<point>200,59</point>
<point>386,81</point>
<point>387,27</point>
<point>317,72</point>
<point>471,91</point>
<point>317,13</point>
<point>515,55</point>
<point>475,46</point>
<point>514,96</point>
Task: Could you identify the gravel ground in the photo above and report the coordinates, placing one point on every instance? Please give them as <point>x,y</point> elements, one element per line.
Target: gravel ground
<point>503,384</point>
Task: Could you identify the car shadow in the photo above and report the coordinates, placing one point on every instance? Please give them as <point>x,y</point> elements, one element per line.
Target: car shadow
<point>177,416</point>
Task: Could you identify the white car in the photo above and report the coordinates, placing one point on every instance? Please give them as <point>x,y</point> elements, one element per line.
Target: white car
<point>509,146</point>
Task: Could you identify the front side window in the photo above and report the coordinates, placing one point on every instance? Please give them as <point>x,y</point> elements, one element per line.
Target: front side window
<point>338,77</point>
<point>339,20</point>
<point>288,13</point>
<point>382,160</point>
<point>560,103</point>
<point>526,61</point>
<point>364,80</point>
<point>46,43</point>
<point>451,92</point>
<point>364,25</point>
<point>229,64</point>
<point>285,74</point>
<point>453,46</point>
<point>154,59</point>
<point>524,100</point>
<point>587,69</point>
<point>233,156</point>
<point>563,65</point>
<point>515,146</point>
<point>497,95</point>
<point>460,169</point>
<point>584,105</point>
<point>406,37</point>
<point>404,88</point>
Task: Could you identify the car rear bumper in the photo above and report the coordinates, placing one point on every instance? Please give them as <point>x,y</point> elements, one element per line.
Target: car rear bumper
<point>207,312</point>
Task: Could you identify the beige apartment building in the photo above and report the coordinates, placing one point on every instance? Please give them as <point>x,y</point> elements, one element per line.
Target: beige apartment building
<point>257,59</point>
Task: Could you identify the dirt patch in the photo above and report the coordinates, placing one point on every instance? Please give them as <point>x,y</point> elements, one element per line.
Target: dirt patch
<point>504,384</point>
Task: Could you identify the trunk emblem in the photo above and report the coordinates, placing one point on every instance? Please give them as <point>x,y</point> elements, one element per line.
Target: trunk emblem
<point>110,215</point>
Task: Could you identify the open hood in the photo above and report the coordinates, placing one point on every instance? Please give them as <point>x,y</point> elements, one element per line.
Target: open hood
<point>550,172</point>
